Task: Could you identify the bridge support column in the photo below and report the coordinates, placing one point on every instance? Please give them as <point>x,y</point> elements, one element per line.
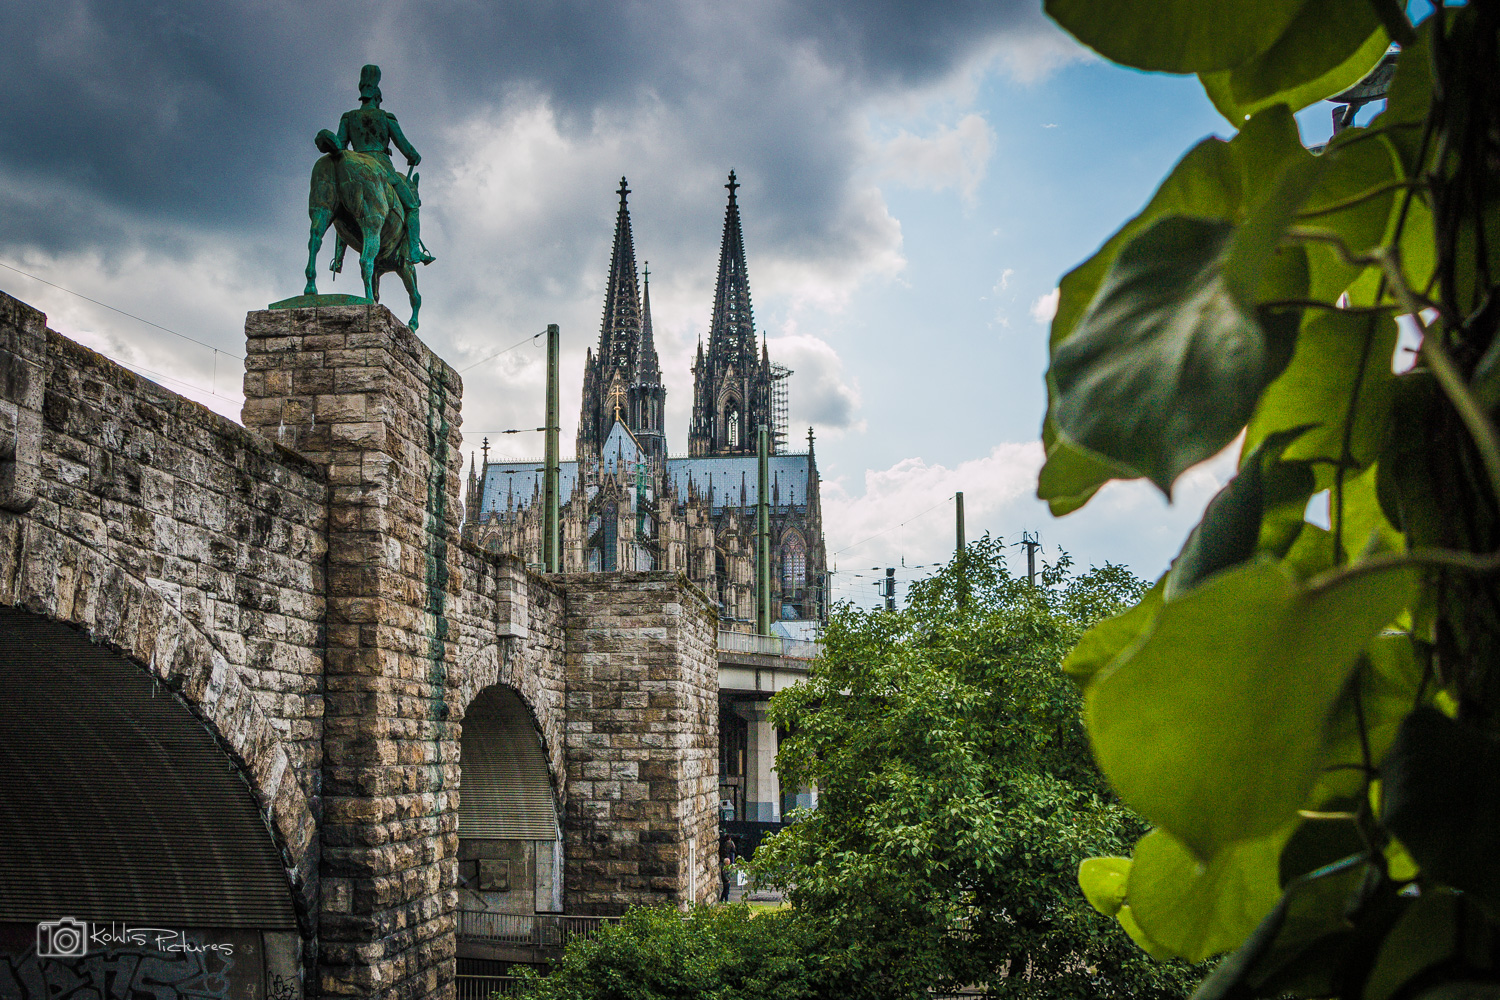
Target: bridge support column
<point>23,383</point>
<point>642,743</point>
<point>353,389</point>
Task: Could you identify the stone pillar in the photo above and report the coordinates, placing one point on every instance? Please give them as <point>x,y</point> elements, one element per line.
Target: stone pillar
<point>23,383</point>
<point>763,794</point>
<point>642,742</point>
<point>351,388</point>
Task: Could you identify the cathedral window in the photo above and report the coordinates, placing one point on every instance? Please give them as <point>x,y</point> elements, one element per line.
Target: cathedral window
<point>611,534</point>
<point>732,425</point>
<point>793,565</point>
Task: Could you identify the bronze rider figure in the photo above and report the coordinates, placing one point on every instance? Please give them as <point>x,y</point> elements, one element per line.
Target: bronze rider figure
<point>371,129</point>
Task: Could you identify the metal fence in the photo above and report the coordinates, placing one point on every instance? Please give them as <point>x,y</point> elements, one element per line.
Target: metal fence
<point>769,645</point>
<point>526,930</point>
<point>484,987</point>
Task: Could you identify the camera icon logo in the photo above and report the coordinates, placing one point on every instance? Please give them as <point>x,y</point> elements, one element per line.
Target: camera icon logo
<point>65,937</point>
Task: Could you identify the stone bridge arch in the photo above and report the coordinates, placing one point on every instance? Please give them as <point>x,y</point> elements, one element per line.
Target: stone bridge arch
<point>60,580</point>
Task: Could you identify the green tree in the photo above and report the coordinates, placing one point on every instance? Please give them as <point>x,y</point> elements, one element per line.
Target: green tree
<point>1308,716</point>
<point>956,793</point>
<point>712,951</point>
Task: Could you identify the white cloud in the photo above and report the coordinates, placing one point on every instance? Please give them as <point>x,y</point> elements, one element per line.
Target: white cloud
<point>1004,281</point>
<point>1045,307</point>
<point>954,156</point>
<point>820,393</point>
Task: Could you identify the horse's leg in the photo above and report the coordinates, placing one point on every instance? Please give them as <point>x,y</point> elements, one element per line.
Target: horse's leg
<point>370,229</point>
<point>408,274</point>
<point>321,219</point>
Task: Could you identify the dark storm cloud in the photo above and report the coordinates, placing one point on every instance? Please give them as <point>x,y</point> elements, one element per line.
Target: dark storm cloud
<point>203,114</point>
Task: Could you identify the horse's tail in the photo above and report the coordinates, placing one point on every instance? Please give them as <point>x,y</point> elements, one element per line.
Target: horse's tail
<point>328,143</point>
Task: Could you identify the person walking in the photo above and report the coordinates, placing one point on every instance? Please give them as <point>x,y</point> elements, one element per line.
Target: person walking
<point>728,855</point>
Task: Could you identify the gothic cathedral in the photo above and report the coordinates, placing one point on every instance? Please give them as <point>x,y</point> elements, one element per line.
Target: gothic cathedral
<point>627,504</point>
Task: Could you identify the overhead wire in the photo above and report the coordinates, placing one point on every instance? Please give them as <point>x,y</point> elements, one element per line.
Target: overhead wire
<point>893,527</point>
<point>503,350</point>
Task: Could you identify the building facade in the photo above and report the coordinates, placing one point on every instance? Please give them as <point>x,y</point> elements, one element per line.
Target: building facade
<point>626,504</point>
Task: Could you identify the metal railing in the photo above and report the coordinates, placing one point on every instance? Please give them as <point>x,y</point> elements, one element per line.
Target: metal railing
<point>526,930</point>
<point>484,987</point>
<point>769,645</point>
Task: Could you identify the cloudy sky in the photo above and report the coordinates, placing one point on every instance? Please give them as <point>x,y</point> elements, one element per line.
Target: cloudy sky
<point>915,178</point>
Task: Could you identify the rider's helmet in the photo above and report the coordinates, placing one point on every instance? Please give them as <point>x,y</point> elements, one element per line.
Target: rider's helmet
<point>369,83</point>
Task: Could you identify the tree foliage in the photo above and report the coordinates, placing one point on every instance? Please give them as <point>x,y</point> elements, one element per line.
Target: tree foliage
<point>956,792</point>
<point>712,951</point>
<point>1309,716</point>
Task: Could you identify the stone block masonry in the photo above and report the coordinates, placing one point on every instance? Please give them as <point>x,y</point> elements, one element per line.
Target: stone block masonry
<point>299,582</point>
<point>642,742</point>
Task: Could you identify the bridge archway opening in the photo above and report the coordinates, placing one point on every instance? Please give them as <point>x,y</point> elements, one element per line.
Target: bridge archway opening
<point>132,850</point>
<point>510,859</point>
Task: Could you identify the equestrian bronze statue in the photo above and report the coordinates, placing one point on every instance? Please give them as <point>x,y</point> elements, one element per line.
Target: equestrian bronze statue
<point>356,189</point>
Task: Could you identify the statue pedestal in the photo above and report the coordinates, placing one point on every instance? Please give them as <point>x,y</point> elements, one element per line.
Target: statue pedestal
<point>308,301</point>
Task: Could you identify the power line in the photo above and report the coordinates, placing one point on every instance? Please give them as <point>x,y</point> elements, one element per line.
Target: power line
<point>512,347</point>
<point>122,312</point>
<point>893,527</point>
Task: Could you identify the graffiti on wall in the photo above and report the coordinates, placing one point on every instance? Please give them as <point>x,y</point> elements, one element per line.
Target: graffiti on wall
<point>117,974</point>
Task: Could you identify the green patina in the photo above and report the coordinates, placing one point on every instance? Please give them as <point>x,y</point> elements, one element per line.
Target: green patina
<point>311,301</point>
<point>436,545</point>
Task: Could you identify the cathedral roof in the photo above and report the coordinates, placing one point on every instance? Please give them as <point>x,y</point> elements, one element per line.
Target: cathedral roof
<point>788,476</point>
<point>524,480</point>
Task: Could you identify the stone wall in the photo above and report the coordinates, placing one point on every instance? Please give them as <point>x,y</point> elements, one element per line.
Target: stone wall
<point>301,583</point>
<point>642,742</point>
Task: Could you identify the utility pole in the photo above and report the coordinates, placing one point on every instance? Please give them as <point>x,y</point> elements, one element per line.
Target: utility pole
<point>1032,543</point>
<point>890,588</point>
<point>551,556</point>
<point>762,533</point>
<point>958,510</point>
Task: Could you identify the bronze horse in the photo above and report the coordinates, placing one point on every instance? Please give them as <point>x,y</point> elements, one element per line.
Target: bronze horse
<point>350,192</point>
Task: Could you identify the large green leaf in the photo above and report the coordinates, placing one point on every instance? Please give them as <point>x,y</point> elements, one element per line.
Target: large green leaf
<point>1176,36</point>
<point>1230,530</point>
<point>1327,48</point>
<point>1103,883</point>
<point>1308,920</point>
<point>1425,935</point>
<point>1071,475</point>
<point>1108,639</point>
<point>1216,179</point>
<point>1355,201</point>
<point>1212,726</point>
<point>1341,368</point>
<point>1441,797</point>
<point>1196,910</point>
<point>1169,361</point>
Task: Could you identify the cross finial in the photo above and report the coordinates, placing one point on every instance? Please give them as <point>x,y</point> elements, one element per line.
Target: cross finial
<point>648,272</point>
<point>623,190</point>
<point>732,185</point>
<point>486,448</point>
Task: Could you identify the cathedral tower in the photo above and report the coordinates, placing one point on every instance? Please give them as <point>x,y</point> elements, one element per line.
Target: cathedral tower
<point>623,380</point>
<point>732,383</point>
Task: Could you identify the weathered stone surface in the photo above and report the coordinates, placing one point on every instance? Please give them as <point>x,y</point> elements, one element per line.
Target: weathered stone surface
<point>302,583</point>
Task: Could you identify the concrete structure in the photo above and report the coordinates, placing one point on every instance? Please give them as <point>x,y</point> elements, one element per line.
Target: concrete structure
<point>302,631</point>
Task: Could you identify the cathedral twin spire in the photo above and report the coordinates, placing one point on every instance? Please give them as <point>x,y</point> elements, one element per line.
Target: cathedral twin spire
<point>622,381</point>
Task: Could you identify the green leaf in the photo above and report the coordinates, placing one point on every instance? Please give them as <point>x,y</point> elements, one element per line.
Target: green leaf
<point>1355,201</point>
<point>1071,475</point>
<point>1306,923</point>
<point>1216,179</point>
<point>1212,726</point>
<point>1168,363</point>
<point>1106,640</point>
<point>1103,883</point>
<point>1369,712</point>
<point>1342,363</point>
<point>1404,484</point>
<point>1441,797</point>
<point>1423,937</point>
<point>1328,47</point>
<point>1196,910</point>
<point>1230,530</point>
<point>1176,36</point>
